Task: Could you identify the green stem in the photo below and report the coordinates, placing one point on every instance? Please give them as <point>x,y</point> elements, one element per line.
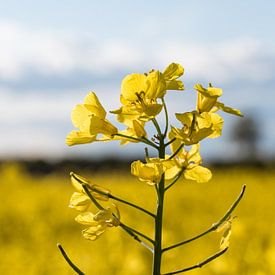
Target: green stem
<point>159,216</point>
<point>68,260</point>
<point>177,151</point>
<point>175,180</point>
<point>132,205</point>
<point>144,140</point>
<point>137,232</point>
<point>166,117</point>
<point>213,227</point>
<point>170,141</point>
<point>109,195</point>
<point>87,191</point>
<point>199,265</point>
<point>157,128</point>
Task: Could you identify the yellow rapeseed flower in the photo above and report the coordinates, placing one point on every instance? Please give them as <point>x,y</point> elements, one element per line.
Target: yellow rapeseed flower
<point>89,118</point>
<point>207,101</point>
<point>98,222</point>
<point>189,162</point>
<point>150,172</point>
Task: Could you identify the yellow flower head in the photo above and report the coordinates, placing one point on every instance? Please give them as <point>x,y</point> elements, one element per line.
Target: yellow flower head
<point>195,128</point>
<point>89,118</point>
<point>207,100</point>
<point>207,97</point>
<point>98,222</point>
<point>150,172</point>
<point>189,162</point>
<point>171,74</point>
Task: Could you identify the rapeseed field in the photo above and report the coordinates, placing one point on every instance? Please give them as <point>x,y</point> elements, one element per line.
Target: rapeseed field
<point>34,217</point>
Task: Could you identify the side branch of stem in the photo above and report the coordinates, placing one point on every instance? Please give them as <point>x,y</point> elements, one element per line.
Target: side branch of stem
<point>69,261</point>
<point>198,265</point>
<point>214,226</point>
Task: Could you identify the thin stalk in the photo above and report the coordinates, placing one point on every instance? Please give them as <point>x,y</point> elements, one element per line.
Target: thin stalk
<point>166,117</point>
<point>68,260</point>
<point>157,128</point>
<point>174,181</point>
<point>199,265</point>
<point>177,151</point>
<point>213,227</point>
<point>144,140</point>
<point>132,205</point>
<point>110,196</point>
<point>137,232</point>
<point>169,142</point>
<point>159,217</point>
<point>87,191</point>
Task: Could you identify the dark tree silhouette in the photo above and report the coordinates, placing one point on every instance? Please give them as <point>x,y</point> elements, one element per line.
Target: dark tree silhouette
<point>246,133</point>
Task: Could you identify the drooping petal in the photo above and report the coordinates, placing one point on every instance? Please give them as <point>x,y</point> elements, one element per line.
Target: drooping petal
<point>174,85</point>
<point>86,218</point>
<point>77,137</point>
<point>93,233</point>
<point>79,201</point>
<point>229,109</point>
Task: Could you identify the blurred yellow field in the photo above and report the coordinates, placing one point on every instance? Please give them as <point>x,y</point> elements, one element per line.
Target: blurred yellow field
<point>34,217</point>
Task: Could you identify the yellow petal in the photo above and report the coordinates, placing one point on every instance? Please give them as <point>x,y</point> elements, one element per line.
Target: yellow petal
<point>174,85</point>
<point>80,117</point>
<point>86,218</point>
<point>176,143</point>
<point>173,71</point>
<point>102,126</point>
<point>132,85</point>
<point>217,124</point>
<point>148,172</point>
<point>77,137</point>
<point>198,173</point>
<point>92,103</point>
<point>79,201</point>
<point>78,181</point>
<point>209,92</point>
<point>93,233</point>
<point>156,86</point>
<point>229,109</point>
<point>139,129</point>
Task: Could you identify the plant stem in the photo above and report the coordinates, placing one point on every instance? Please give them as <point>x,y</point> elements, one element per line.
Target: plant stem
<point>158,219</point>
<point>175,180</point>
<point>199,265</point>
<point>144,140</point>
<point>213,227</point>
<point>68,260</point>
<point>132,205</point>
<point>166,117</point>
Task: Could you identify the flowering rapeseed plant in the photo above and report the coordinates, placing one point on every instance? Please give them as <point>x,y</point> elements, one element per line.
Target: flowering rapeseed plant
<point>142,100</point>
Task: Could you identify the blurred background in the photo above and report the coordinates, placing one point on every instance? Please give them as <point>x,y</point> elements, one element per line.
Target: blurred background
<point>52,53</point>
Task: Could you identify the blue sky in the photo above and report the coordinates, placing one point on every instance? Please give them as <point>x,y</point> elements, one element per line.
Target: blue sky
<point>53,52</point>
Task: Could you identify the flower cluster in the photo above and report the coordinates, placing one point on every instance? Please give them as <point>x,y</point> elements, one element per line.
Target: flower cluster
<point>142,100</point>
<point>80,200</point>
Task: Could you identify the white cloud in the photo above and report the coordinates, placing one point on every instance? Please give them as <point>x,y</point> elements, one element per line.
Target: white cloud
<point>24,50</point>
